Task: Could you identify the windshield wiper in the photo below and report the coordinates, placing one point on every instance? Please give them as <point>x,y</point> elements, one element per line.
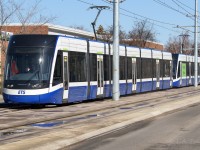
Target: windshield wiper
<point>33,75</point>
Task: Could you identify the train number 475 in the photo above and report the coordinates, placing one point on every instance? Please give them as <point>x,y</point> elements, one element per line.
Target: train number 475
<point>21,92</point>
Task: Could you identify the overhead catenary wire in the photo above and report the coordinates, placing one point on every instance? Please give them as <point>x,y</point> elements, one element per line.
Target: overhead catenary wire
<point>140,17</point>
<point>86,2</point>
<point>170,7</point>
<point>174,9</point>
<point>154,21</point>
<point>189,13</point>
<point>185,5</point>
<point>162,22</point>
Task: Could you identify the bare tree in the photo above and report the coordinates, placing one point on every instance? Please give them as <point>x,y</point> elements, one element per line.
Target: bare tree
<point>173,45</point>
<point>7,9</point>
<point>11,10</point>
<point>142,32</point>
<point>32,15</point>
<point>107,34</point>
<point>180,44</point>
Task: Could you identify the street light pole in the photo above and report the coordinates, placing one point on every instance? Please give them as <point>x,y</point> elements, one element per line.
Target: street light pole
<point>196,47</point>
<point>116,92</point>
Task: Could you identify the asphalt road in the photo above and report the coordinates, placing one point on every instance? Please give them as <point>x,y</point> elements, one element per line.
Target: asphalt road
<point>175,131</point>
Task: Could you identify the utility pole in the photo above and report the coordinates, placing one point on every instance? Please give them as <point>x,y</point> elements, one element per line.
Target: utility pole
<point>196,46</point>
<point>183,37</point>
<point>116,91</point>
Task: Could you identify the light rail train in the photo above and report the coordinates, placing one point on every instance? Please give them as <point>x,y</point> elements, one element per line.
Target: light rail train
<point>52,69</point>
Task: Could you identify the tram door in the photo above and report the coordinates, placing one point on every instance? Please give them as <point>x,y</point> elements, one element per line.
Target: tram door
<point>134,74</point>
<point>190,74</point>
<point>100,77</point>
<point>157,73</point>
<point>171,73</point>
<point>65,76</point>
<point>180,73</point>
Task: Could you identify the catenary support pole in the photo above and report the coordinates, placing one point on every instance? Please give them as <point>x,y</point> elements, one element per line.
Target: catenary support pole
<point>116,92</point>
<point>196,46</point>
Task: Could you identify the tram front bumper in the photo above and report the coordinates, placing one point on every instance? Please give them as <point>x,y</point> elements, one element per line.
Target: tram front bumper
<point>25,99</point>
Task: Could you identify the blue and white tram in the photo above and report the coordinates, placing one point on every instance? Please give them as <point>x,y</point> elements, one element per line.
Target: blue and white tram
<point>166,64</point>
<point>154,70</point>
<point>183,70</point>
<point>52,69</point>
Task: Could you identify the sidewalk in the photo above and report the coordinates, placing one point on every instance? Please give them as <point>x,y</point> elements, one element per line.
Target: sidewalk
<point>66,136</point>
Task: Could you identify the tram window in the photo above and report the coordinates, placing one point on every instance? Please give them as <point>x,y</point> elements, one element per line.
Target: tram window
<point>111,66</point>
<point>166,64</point>
<point>106,67</point>
<point>154,73</point>
<point>107,60</point>
<point>187,69</point>
<point>129,68</point>
<point>175,63</point>
<point>93,67</point>
<point>77,66</point>
<point>179,69</point>
<point>146,68</point>
<point>57,76</point>
<point>192,69</point>
<point>138,62</point>
<point>174,68</point>
<point>162,66</point>
<point>198,69</point>
<point>122,67</point>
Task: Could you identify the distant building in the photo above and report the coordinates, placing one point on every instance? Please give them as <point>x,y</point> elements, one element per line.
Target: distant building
<point>144,44</point>
<point>16,28</point>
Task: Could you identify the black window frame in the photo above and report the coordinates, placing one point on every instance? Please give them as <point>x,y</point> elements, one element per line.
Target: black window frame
<point>58,73</point>
<point>77,66</point>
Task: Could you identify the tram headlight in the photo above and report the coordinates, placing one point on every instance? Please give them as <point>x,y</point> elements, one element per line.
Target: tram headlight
<point>10,86</point>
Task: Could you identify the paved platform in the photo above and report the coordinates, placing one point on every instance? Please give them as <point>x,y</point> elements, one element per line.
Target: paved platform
<point>67,136</point>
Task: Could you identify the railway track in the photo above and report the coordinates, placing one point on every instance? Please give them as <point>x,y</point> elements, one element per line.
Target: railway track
<point>36,121</point>
<point>22,115</point>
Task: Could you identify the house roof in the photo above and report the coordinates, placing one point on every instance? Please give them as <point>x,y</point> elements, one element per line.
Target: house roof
<point>61,30</point>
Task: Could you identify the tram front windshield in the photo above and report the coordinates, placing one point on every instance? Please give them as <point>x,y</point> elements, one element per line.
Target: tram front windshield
<point>28,67</point>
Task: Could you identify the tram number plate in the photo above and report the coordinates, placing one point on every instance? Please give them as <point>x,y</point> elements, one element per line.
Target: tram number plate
<point>21,92</point>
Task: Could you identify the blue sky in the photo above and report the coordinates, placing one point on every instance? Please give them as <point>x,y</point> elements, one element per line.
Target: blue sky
<point>76,13</point>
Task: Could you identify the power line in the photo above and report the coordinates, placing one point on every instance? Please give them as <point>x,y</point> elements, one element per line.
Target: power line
<point>143,16</point>
<point>181,7</point>
<point>133,17</point>
<point>185,5</point>
<point>146,19</point>
<point>170,7</point>
<point>136,18</point>
<point>85,2</point>
<point>161,22</point>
